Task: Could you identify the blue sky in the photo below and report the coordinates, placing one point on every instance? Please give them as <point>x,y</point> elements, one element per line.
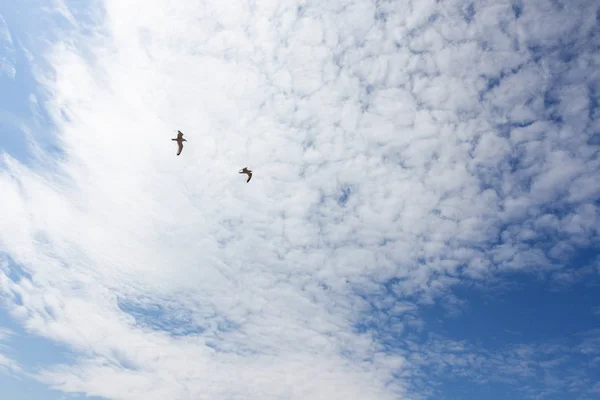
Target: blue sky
<point>423,220</point>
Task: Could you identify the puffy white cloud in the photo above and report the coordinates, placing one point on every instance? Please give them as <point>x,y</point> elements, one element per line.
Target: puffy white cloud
<point>424,143</point>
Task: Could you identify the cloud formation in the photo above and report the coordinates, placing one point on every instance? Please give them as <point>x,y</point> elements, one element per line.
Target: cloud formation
<point>7,49</point>
<point>7,364</point>
<point>540,370</point>
<point>398,148</point>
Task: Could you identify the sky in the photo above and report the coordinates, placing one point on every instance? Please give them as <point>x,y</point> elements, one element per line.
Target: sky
<point>422,223</point>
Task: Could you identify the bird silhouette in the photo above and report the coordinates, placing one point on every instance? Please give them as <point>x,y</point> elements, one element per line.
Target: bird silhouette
<point>247,172</point>
<point>179,141</point>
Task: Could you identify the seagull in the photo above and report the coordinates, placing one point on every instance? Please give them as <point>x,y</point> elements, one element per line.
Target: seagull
<point>179,141</point>
<point>247,172</point>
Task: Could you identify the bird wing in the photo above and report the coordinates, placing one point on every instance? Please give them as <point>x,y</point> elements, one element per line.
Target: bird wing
<point>180,145</point>
<point>249,176</point>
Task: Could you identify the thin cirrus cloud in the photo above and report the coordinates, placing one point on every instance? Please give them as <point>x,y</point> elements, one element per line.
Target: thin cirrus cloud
<point>7,364</point>
<point>397,149</point>
<point>7,60</point>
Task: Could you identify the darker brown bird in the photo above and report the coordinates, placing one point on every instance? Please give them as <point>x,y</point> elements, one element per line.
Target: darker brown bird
<point>247,172</point>
<point>179,141</point>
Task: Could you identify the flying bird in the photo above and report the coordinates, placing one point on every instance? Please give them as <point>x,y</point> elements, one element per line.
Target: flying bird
<point>179,141</point>
<point>247,172</point>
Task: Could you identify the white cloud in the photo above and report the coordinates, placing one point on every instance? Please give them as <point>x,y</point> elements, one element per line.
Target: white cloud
<point>7,364</point>
<point>533,369</point>
<point>60,7</point>
<point>5,333</point>
<point>377,153</point>
<point>7,51</point>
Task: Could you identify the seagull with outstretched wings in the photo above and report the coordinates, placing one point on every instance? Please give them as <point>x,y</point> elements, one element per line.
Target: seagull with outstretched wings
<point>179,141</point>
<point>247,172</point>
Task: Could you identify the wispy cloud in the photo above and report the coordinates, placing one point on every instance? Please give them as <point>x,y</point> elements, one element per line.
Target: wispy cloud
<point>7,364</point>
<point>7,51</point>
<point>397,150</point>
<point>5,333</point>
<point>537,370</point>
